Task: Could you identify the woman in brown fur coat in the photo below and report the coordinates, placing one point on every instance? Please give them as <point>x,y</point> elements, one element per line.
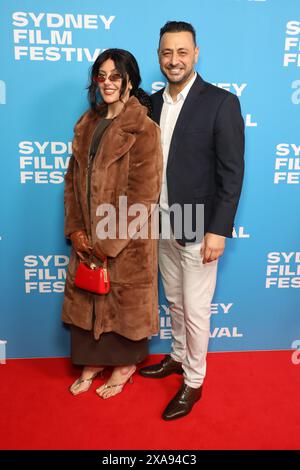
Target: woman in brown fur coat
<point>116,155</point>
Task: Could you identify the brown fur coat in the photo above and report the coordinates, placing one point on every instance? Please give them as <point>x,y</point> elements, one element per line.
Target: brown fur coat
<point>128,163</point>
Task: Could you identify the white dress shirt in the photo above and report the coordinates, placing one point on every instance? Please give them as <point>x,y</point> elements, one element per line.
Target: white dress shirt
<point>169,115</point>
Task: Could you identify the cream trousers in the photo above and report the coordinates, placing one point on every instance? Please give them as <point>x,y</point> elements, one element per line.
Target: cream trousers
<point>189,288</point>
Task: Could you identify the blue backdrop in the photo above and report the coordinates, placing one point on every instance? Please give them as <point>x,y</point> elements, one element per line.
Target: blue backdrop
<point>250,47</point>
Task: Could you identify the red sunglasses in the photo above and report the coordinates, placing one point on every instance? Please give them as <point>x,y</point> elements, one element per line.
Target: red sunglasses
<point>114,77</point>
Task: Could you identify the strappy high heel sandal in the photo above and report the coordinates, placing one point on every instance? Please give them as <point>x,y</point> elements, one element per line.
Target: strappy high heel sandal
<point>110,390</point>
<point>76,388</point>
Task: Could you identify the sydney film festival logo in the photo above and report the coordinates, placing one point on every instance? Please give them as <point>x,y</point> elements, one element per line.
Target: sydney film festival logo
<point>43,162</point>
<point>235,88</point>
<point>50,36</point>
<point>283,270</point>
<point>291,55</point>
<point>287,164</point>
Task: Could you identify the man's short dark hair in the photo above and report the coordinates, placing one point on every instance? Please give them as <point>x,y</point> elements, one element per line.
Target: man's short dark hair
<point>177,27</point>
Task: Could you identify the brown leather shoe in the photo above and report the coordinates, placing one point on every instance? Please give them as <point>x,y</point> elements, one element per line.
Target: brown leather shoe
<point>182,403</point>
<point>166,367</point>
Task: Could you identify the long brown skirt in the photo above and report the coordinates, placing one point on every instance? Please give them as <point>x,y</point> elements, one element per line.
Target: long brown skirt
<point>110,349</point>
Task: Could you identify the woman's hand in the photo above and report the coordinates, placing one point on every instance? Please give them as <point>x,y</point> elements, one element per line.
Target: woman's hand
<point>80,243</point>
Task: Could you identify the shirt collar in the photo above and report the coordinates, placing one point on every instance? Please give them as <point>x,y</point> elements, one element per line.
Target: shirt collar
<point>182,95</point>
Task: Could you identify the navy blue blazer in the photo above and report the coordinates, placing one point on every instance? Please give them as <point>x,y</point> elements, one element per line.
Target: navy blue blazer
<point>206,156</point>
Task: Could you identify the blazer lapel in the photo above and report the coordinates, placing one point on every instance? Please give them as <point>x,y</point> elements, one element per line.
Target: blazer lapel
<point>187,110</point>
<point>158,102</point>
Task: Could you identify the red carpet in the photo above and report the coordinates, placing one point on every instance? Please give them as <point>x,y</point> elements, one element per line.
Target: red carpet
<point>250,401</point>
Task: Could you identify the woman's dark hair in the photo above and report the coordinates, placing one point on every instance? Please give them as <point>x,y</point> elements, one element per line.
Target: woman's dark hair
<point>128,68</point>
<point>177,27</point>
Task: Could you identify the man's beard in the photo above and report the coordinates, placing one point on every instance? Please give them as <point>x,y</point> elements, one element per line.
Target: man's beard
<point>181,80</point>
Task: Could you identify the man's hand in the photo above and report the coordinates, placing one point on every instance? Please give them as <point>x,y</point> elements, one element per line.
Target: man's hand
<point>212,247</point>
<point>80,243</point>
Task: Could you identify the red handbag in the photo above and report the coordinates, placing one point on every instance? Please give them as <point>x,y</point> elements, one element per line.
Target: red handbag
<point>93,278</point>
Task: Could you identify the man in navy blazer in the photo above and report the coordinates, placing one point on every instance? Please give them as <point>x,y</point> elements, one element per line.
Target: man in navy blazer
<point>202,133</point>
